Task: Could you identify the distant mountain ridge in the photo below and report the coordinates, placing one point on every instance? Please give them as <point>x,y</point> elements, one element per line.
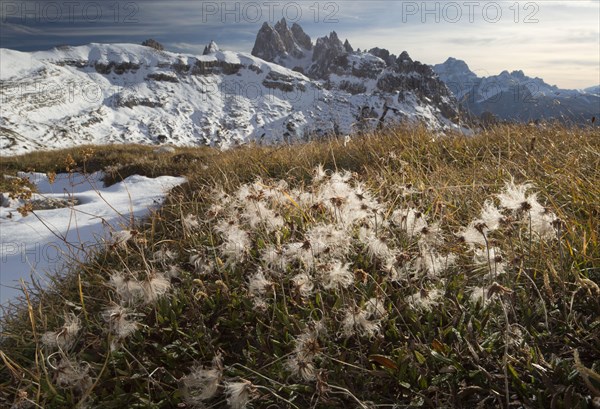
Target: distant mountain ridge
<point>593,90</point>
<point>514,96</point>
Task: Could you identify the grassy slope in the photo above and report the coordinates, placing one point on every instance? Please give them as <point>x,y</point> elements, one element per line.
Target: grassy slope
<point>519,348</point>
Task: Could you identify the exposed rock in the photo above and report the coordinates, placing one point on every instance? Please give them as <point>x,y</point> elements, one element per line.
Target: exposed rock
<point>282,82</point>
<point>211,48</point>
<point>275,44</point>
<point>162,77</point>
<point>384,54</point>
<point>404,58</point>
<point>153,44</point>
<point>348,47</point>
<point>353,88</point>
<point>268,44</point>
<point>302,39</point>
<point>181,68</point>
<point>326,55</point>
<point>117,68</point>
<point>287,37</point>
<point>131,102</point>
<point>215,67</point>
<point>255,68</point>
<point>368,68</point>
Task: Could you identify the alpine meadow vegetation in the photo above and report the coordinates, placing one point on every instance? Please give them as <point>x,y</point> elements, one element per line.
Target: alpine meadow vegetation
<point>396,269</point>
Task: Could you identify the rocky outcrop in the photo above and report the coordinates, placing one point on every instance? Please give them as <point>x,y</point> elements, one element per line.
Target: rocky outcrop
<point>404,58</point>
<point>301,38</point>
<point>348,47</point>
<point>328,56</point>
<point>211,48</point>
<point>384,54</point>
<point>275,44</point>
<point>152,43</point>
<point>215,67</point>
<point>268,44</point>
<point>289,41</point>
<point>117,68</point>
<point>162,77</point>
<point>282,82</point>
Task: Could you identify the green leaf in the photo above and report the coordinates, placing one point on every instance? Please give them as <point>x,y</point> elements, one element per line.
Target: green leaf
<point>442,358</point>
<point>420,358</point>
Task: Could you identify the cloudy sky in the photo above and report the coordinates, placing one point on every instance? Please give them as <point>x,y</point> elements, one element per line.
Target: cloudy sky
<point>555,40</point>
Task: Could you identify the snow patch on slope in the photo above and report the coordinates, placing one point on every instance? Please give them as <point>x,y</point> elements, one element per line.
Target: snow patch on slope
<point>48,240</point>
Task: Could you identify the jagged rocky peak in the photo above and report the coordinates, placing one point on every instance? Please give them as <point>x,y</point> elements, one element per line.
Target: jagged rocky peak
<point>268,44</point>
<point>404,58</point>
<point>454,65</point>
<point>328,47</point>
<point>276,43</point>
<point>390,59</point>
<point>341,68</point>
<point>281,26</point>
<point>348,47</point>
<point>285,34</point>
<point>332,39</point>
<point>327,56</point>
<point>404,64</point>
<point>211,48</point>
<point>290,44</point>
<point>301,37</point>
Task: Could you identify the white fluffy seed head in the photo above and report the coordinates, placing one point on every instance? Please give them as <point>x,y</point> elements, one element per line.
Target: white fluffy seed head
<point>202,383</point>
<point>127,288</point>
<point>304,284</point>
<point>335,275</point>
<point>425,300</point>
<point>120,321</point>
<point>410,220</point>
<point>301,367</point>
<point>358,323</point>
<point>258,285</point>
<point>65,336</point>
<point>155,287</point>
<point>72,374</point>
<point>239,394</point>
<point>490,259</point>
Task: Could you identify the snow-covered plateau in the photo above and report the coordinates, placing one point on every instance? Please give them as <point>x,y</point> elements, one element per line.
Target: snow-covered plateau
<point>126,93</point>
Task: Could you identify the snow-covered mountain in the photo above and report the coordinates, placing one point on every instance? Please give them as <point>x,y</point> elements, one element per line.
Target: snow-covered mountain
<point>112,93</point>
<point>376,74</point>
<point>515,96</point>
<point>593,90</point>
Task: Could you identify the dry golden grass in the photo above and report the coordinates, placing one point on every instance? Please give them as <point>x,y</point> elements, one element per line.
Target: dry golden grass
<point>458,354</point>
